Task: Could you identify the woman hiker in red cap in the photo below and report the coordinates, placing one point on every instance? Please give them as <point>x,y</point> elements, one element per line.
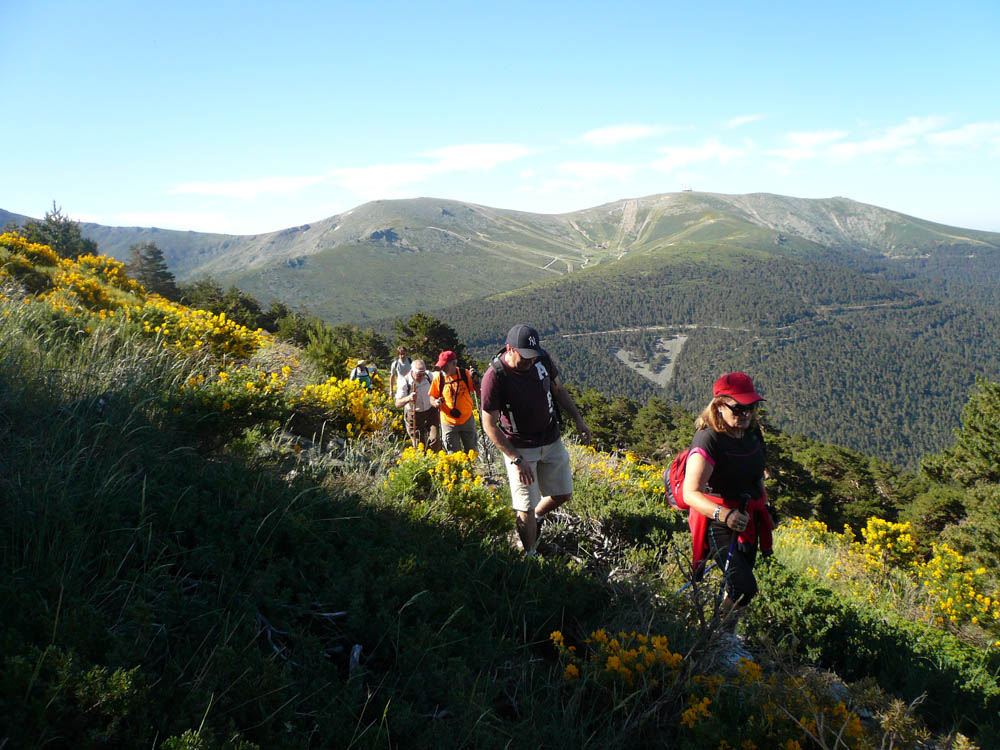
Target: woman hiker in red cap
<point>724,483</point>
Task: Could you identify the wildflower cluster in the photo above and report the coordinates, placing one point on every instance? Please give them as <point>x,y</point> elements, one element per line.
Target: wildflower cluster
<point>951,585</point>
<point>191,330</point>
<point>34,252</point>
<point>226,401</point>
<point>94,288</point>
<point>28,263</point>
<point>346,407</point>
<point>626,473</point>
<point>778,710</point>
<point>888,545</point>
<point>948,591</point>
<point>449,485</point>
<point>109,271</point>
<point>628,659</point>
<point>75,284</point>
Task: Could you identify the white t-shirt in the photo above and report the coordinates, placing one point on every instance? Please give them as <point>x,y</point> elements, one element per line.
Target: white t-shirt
<point>407,384</point>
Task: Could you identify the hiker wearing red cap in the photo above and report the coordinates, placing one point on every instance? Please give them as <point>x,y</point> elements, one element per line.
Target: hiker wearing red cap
<point>451,392</point>
<point>522,396</point>
<point>724,487</point>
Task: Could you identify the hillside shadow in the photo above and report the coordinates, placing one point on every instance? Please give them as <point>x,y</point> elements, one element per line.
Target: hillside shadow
<point>285,607</point>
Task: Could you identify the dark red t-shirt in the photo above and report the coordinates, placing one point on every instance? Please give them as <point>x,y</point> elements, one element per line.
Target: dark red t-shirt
<point>525,402</point>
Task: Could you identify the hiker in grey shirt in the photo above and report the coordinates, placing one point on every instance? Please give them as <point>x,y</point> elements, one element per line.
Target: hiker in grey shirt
<point>400,367</point>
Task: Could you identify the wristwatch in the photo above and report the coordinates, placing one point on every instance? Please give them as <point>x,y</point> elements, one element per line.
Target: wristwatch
<point>718,509</point>
<point>518,461</point>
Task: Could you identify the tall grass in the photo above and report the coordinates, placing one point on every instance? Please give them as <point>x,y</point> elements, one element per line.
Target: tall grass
<point>156,595</point>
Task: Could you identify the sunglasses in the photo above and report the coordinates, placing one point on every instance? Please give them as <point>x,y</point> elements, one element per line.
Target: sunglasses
<point>740,410</point>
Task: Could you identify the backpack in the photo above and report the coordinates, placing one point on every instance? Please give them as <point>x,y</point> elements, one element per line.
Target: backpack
<point>500,376</point>
<point>463,377</point>
<point>673,480</point>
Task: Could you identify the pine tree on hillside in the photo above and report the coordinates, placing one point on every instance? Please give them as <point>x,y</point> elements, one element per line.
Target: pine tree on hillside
<point>147,266</point>
<point>425,337</point>
<point>59,232</point>
<point>975,456</point>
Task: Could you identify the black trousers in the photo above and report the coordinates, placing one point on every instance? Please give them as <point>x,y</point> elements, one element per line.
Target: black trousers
<point>740,582</point>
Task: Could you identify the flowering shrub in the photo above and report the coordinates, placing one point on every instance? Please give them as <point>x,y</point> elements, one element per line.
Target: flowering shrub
<point>96,285</point>
<point>26,262</point>
<point>191,330</point>
<point>33,252</point>
<point>230,400</point>
<point>887,545</point>
<point>346,407</point>
<point>72,283</point>
<point>628,660</point>
<point>625,473</point>
<point>953,591</point>
<point>945,589</point>
<point>450,485</point>
<point>778,710</point>
<point>109,271</point>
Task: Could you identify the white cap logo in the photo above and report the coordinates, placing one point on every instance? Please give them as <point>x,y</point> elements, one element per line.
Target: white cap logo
<point>532,340</point>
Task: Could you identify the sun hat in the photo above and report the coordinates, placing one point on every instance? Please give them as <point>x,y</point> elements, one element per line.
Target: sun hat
<point>525,339</point>
<point>737,385</point>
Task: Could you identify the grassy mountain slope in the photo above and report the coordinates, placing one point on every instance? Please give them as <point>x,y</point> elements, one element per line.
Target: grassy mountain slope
<point>185,573</point>
<point>392,257</point>
<point>805,281</point>
<point>846,356</point>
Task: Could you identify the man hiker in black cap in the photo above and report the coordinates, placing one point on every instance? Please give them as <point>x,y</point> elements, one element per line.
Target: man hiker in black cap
<point>522,399</point>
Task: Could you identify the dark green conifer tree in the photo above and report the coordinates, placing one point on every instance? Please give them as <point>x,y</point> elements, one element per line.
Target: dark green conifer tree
<point>59,232</point>
<point>147,265</point>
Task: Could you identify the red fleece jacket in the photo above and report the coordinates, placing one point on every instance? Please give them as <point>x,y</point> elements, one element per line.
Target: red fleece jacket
<point>758,530</point>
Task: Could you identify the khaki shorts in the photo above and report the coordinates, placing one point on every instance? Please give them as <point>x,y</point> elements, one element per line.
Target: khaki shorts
<point>553,475</point>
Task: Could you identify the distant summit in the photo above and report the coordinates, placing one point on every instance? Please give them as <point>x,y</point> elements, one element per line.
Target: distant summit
<point>390,257</point>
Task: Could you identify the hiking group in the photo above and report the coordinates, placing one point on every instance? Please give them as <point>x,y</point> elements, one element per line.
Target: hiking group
<point>438,409</point>
<point>719,479</point>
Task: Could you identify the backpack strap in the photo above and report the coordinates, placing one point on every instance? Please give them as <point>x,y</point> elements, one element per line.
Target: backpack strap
<point>500,378</point>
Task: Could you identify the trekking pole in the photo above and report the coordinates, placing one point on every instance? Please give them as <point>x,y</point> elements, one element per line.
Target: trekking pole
<point>744,501</point>
<point>487,446</point>
<point>705,572</point>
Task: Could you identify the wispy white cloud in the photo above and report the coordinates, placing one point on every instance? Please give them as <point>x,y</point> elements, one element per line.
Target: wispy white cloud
<point>807,145</point>
<point>598,170</point>
<point>369,181</point>
<point>740,121</point>
<point>247,189</point>
<point>710,150</point>
<point>893,139</point>
<point>973,135</point>
<point>619,133</point>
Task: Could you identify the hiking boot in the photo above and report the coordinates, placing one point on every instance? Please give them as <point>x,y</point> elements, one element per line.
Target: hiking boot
<point>732,651</point>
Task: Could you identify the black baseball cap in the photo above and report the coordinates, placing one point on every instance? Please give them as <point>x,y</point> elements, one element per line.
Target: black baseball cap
<point>525,339</point>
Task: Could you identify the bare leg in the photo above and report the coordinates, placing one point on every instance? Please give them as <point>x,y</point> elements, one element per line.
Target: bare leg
<point>527,530</point>
<point>550,503</point>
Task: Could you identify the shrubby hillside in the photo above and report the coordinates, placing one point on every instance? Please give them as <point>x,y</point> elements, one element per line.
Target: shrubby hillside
<point>850,357</point>
<point>211,544</point>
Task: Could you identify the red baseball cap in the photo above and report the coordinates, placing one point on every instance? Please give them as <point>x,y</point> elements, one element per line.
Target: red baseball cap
<point>737,385</point>
<point>445,357</point>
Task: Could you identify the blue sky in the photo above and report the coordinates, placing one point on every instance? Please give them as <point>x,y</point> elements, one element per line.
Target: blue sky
<point>244,117</point>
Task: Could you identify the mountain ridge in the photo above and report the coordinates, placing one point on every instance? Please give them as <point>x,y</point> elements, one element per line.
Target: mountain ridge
<point>386,257</point>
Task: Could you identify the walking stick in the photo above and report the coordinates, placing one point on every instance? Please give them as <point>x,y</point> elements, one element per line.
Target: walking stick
<point>744,501</point>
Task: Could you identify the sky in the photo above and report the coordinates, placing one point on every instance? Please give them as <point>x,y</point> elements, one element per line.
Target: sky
<point>248,117</point>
